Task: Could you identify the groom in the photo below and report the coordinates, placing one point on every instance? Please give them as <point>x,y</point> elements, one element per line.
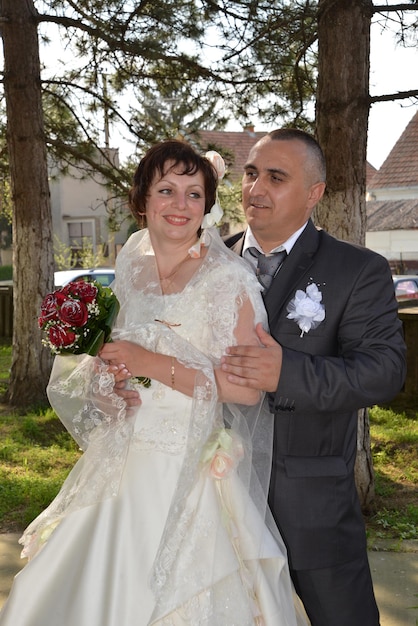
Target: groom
<point>336,346</point>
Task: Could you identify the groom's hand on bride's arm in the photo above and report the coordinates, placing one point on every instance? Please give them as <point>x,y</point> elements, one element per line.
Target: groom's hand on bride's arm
<point>257,367</point>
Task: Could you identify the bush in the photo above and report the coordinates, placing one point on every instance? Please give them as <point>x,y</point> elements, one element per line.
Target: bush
<point>6,272</point>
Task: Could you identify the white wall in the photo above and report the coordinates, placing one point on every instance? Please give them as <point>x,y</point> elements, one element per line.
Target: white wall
<point>79,196</point>
<point>393,193</point>
<point>400,245</point>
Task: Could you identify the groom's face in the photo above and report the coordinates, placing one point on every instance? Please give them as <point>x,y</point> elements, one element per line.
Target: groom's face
<point>278,195</point>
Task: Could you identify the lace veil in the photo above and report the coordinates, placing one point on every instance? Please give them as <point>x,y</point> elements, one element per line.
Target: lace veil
<point>81,392</point>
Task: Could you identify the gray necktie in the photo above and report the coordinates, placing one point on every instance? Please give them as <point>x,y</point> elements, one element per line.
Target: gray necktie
<point>267,265</point>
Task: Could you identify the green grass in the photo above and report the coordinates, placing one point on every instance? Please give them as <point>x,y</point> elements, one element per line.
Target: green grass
<point>35,458</point>
<point>394,443</point>
<point>5,360</point>
<point>37,453</point>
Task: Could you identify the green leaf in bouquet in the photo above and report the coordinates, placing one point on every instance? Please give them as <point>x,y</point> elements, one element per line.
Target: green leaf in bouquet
<point>95,343</point>
<point>144,381</point>
<point>111,316</point>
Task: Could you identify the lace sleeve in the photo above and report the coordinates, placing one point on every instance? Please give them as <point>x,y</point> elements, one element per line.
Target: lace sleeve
<point>80,390</point>
<point>235,294</point>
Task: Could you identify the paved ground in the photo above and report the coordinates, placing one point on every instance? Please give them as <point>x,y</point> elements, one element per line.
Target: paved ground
<point>395,576</point>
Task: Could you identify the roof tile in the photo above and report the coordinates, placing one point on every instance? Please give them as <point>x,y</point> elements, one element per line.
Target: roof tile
<point>400,169</point>
<point>392,215</point>
<point>237,144</point>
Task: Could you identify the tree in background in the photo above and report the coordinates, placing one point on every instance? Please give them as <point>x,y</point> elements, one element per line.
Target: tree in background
<point>342,111</point>
<point>32,223</point>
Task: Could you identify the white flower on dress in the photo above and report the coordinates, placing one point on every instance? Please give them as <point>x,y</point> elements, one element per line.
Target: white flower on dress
<point>306,308</point>
<point>222,453</point>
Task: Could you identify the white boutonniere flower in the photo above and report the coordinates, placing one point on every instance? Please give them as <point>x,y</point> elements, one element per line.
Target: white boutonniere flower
<point>306,308</point>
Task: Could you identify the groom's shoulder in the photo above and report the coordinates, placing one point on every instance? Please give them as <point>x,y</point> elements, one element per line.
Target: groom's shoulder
<point>343,245</point>
<point>347,253</point>
<point>231,240</point>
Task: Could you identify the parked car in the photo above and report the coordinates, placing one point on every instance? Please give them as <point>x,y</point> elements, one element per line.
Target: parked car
<point>105,276</point>
<point>406,287</point>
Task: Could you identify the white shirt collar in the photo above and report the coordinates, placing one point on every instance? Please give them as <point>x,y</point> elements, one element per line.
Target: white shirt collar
<point>251,241</point>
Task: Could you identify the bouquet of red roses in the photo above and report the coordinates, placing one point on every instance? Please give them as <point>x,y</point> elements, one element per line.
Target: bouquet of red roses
<point>78,318</point>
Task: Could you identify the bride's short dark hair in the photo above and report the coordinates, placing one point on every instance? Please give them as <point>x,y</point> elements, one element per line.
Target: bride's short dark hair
<point>178,153</point>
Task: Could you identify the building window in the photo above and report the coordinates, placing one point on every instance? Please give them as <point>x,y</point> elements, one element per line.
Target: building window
<point>81,235</point>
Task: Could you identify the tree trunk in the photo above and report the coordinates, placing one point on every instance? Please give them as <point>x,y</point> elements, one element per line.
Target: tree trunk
<point>363,469</point>
<point>342,110</point>
<point>32,222</point>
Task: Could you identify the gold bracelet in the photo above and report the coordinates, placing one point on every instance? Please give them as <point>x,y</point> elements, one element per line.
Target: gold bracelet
<point>172,372</point>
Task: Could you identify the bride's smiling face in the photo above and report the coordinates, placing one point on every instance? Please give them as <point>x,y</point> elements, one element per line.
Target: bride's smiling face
<point>176,205</point>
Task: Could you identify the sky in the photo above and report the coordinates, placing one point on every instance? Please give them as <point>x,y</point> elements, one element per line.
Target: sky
<point>392,69</point>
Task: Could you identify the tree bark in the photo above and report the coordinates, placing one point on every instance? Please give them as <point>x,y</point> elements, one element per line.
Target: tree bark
<point>32,221</point>
<point>342,110</point>
<point>363,469</point>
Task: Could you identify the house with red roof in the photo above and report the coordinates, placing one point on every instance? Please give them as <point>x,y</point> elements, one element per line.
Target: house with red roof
<point>392,204</point>
<point>234,146</point>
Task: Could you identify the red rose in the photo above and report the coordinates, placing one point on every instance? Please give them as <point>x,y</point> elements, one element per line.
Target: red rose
<point>82,289</point>
<point>60,296</point>
<point>78,305</point>
<point>49,310</point>
<point>42,320</point>
<point>74,312</point>
<point>60,337</point>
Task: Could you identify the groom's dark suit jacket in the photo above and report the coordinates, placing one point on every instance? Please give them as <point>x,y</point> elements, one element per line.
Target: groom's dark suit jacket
<point>355,358</point>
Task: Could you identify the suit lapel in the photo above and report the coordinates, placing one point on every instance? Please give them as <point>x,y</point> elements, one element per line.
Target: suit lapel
<point>296,266</point>
<point>238,245</point>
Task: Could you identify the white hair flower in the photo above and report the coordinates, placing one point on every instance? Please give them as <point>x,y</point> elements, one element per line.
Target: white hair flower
<point>215,214</point>
<point>217,162</point>
<point>213,217</point>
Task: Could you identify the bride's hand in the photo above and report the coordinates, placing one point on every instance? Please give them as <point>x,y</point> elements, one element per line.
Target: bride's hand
<point>122,376</point>
<point>122,353</point>
<point>131,396</point>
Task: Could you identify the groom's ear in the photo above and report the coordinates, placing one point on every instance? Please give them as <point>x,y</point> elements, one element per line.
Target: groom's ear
<point>315,194</point>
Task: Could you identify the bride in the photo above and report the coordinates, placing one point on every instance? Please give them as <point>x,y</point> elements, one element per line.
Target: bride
<point>163,520</point>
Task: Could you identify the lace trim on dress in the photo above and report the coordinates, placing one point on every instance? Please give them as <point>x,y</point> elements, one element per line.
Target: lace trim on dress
<point>97,419</point>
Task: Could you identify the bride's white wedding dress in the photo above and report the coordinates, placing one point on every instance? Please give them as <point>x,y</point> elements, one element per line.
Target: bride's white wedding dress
<point>155,524</point>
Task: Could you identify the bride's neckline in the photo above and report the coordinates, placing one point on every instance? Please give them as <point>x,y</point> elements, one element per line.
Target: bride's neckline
<point>174,271</point>
<point>180,275</point>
